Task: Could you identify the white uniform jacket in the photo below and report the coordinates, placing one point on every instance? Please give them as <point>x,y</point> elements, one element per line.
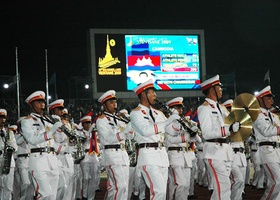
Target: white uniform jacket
<point>35,133</point>
<point>113,133</point>
<point>213,127</point>
<point>177,158</point>
<point>266,131</point>
<point>151,132</point>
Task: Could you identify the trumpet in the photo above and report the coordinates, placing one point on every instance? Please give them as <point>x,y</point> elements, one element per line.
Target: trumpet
<point>186,124</point>
<point>124,118</point>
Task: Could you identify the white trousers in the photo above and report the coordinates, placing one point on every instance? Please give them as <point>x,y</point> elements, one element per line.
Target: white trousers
<point>272,191</point>
<point>117,184</point>
<point>90,185</point>
<point>178,182</point>
<point>6,184</point>
<point>156,179</point>
<point>77,182</point>
<point>139,184</point>
<point>237,181</point>
<point>219,171</point>
<point>45,184</point>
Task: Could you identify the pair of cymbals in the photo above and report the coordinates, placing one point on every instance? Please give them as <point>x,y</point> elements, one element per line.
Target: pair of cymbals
<point>245,109</point>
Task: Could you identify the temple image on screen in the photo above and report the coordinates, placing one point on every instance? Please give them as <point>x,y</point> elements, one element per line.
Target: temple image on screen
<point>108,60</point>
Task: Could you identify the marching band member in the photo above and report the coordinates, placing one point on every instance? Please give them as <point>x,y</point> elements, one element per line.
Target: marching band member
<point>239,164</point>
<point>150,124</point>
<point>180,161</point>
<point>130,145</point>
<point>8,145</point>
<point>266,128</point>
<point>22,165</point>
<point>90,164</point>
<point>65,159</point>
<point>38,131</point>
<point>112,132</point>
<point>217,151</point>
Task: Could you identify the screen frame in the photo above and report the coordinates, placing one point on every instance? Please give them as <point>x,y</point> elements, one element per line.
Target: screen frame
<point>160,94</point>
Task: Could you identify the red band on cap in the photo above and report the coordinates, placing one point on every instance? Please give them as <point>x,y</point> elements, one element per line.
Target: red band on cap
<point>264,94</point>
<point>108,97</point>
<point>56,105</point>
<point>210,85</point>
<point>175,103</point>
<point>36,98</point>
<point>151,85</point>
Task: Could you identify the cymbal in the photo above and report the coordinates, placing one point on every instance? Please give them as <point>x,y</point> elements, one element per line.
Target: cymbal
<point>247,103</point>
<point>246,125</point>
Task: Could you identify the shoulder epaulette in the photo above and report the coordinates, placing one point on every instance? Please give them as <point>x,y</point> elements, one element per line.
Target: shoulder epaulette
<point>205,103</point>
<point>29,117</point>
<point>137,108</point>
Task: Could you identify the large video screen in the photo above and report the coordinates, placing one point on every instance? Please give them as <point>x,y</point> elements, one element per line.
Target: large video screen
<point>121,59</point>
<point>172,61</point>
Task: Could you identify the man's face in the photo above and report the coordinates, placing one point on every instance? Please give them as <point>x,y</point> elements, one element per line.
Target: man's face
<point>111,106</point>
<point>179,109</point>
<point>151,95</point>
<point>219,91</point>
<point>38,106</point>
<point>86,125</point>
<point>58,111</point>
<point>268,101</point>
<point>2,119</point>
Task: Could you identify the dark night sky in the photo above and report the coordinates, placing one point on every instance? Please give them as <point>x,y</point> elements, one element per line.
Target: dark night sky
<point>239,35</point>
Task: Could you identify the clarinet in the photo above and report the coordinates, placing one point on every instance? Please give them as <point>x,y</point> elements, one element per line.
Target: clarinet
<point>182,120</point>
<point>70,134</point>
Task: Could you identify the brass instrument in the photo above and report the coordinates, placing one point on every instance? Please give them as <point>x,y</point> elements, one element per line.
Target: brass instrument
<point>183,121</point>
<point>245,109</point>
<point>74,139</point>
<point>125,118</point>
<point>277,108</point>
<point>191,124</point>
<point>69,133</point>
<point>118,117</point>
<point>131,149</point>
<point>7,154</point>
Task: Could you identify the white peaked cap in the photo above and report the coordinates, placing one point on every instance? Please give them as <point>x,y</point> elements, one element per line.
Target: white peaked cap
<point>110,94</point>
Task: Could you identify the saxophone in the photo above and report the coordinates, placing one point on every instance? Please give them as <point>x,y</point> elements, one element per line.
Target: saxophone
<point>74,139</point>
<point>131,149</point>
<point>79,155</point>
<point>7,154</point>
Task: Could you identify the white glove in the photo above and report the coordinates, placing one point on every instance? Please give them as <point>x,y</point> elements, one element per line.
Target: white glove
<point>234,127</point>
<point>55,127</point>
<point>171,119</point>
<point>56,117</point>
<point>174,111</point>
<point>194,128</point>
